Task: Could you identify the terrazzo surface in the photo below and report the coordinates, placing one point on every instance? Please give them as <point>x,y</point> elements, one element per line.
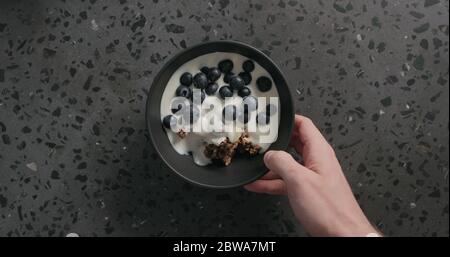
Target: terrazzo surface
<point>75,156</point>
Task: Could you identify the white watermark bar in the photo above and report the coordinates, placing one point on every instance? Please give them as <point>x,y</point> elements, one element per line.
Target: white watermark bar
<point>230,115</point>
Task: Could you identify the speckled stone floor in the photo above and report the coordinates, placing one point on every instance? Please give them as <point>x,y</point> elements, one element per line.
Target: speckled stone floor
<point>75,155</point>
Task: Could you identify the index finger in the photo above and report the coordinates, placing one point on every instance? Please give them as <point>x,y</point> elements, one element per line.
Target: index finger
<point>307,132</point>
<point>314,147</point>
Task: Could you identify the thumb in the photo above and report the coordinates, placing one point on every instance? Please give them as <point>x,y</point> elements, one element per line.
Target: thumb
<point>283,164</point>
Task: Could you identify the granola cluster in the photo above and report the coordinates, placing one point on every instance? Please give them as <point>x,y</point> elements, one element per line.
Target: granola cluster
<point>181,133</point>
<point>246,146</point>
<point>226,150</point>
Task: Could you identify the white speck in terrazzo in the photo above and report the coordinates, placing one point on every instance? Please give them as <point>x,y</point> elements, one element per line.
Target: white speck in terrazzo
<point>359,73</point>
<point>359,184</point>
<point>52,151</point>
<point>407,106</point>
<point>32,166</point>
<point>407,66</point>
<point>359,37</point>
<point>215,32</point>
<point>94,25</point>
<point>298,91</point>
<point>138,223</point>
<point>350,118</point>
<point>418,127</point>
<point>101,204</point>
<point>381,112</point>
<point>412,205</point>
<point>72,235</point>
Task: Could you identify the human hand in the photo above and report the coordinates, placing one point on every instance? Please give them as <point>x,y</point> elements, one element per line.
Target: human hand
<point>318,191</point>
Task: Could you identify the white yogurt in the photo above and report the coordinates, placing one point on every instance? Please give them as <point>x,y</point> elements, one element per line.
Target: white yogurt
<point>195,142</point>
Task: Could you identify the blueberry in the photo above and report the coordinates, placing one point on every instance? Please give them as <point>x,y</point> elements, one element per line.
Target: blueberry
<point>176,107</point>
<point>211,88</point>
<point>226,91</point>
<point>243,116</point>
<point>205,70</point>
<point>248,66</point>
<point>169,121</point>
<point>229,112</point>
<point>186,79</point>
<point>271,109</point>
<point>236,82</point>
<point>191,114</point>
<point>246,77</point>
<point>262,118</point>
<point>264,84</point>
<point>200,80</point>
<point>226,66</point>
<point>227,77</point>
<point>183,91</point>
<point>243,92</point>
<point>178,104</point>
<point>251,103</point>
<point>214,74</point>
<point>198,94</point>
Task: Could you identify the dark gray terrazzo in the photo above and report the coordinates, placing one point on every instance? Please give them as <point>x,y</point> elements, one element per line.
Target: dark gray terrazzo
<point>75,154</point>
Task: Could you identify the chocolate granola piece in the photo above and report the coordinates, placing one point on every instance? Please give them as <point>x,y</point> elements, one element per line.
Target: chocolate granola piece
<point>182,134</point>
<point>247,146</point>
<point>224,151</point>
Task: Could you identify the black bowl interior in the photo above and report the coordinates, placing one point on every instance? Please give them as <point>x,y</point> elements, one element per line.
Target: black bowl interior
<point>242,170</point>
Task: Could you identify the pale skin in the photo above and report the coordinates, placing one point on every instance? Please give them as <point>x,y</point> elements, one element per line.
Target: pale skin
<point>318,191</point>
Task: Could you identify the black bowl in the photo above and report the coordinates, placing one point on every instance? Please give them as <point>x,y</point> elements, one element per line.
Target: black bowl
<point>242,170</point>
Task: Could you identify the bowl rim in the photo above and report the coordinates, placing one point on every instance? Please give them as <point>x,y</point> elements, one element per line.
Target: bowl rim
<point>160,73</point>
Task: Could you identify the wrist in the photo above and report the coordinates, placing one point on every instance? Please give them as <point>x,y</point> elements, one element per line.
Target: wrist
<point>365,229</point>
<point>361,228</point>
